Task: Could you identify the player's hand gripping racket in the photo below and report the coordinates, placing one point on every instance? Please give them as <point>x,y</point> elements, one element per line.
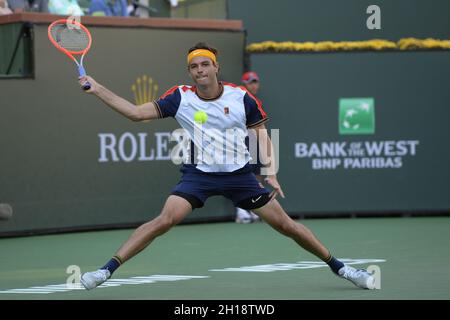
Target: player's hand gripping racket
<point>73,39</point>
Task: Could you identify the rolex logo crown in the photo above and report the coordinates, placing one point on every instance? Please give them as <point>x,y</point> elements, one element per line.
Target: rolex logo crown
<point>144,89</point>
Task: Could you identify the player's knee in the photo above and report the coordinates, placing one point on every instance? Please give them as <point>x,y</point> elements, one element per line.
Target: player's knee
<point>284,226</point>
<point>164,223</point>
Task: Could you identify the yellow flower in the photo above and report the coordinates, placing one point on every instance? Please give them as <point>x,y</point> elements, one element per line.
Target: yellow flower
<point>330,46</point>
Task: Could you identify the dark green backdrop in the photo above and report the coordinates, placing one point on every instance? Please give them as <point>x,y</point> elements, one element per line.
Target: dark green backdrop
<point>49,141</point>
<point>301,94</point>
<point>343,20</point>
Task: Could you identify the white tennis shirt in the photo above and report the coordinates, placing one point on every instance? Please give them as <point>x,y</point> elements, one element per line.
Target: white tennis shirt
<point>220,141</point>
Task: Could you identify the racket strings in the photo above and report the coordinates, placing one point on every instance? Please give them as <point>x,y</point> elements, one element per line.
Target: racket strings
<point>71,38</point>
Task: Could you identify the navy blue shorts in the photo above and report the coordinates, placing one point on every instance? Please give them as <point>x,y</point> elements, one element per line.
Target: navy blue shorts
<point>256,168</point>
<point>243,189</point>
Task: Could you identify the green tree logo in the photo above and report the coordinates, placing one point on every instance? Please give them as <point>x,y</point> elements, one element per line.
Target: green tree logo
<point>356,116</point>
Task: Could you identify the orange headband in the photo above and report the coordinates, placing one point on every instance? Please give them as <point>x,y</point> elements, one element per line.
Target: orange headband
<point>201,53</point>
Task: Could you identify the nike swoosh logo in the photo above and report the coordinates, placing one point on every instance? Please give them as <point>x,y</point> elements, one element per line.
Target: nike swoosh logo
<point>254,200</point>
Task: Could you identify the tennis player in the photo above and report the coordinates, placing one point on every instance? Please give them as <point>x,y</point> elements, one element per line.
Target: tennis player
<point>228,107</point>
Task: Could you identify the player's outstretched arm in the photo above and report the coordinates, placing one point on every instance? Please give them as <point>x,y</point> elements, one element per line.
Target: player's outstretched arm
<point>267,156</point>
<point>146,111</point>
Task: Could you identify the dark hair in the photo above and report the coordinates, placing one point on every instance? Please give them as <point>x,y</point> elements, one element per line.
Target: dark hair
<point>204,45</point>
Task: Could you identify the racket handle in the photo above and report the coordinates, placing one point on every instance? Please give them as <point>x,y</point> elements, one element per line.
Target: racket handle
<point>82,73</point>
<point>86,86</point>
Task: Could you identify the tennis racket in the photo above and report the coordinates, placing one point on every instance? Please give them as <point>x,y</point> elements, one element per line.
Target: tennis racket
<point>73,39</point>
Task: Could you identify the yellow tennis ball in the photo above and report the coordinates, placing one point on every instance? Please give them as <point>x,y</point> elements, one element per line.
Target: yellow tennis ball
<point>200,117</point>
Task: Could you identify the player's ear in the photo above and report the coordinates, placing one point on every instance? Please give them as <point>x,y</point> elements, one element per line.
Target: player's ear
<point>216,64</point>
<point>188,69</point>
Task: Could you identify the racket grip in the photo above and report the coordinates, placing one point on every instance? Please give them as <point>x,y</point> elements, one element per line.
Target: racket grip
<point>82,73</point>
<point>86,86</point>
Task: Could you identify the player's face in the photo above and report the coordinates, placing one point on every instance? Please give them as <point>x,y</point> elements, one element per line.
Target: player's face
<point>203,71</point>
<point>253,87</point>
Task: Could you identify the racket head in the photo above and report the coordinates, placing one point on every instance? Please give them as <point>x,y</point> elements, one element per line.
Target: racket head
<point>70,37</point>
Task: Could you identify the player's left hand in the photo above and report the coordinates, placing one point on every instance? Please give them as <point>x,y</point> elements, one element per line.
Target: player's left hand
<point>273,182</point>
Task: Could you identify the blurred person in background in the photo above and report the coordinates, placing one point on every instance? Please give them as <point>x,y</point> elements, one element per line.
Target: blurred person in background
<point>4,8</point>
<point>65,7</point>
<point>18,6</point>
<point>118,8</point>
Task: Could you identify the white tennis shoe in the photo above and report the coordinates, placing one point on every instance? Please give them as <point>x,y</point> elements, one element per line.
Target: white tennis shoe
<point>359,277</point>
<point>245,216</point>
<point>91,280</point>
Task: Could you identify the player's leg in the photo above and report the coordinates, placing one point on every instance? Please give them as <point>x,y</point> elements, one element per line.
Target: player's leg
<point>275,216</point>
<point>248,193</point>
<point>174,210</point>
